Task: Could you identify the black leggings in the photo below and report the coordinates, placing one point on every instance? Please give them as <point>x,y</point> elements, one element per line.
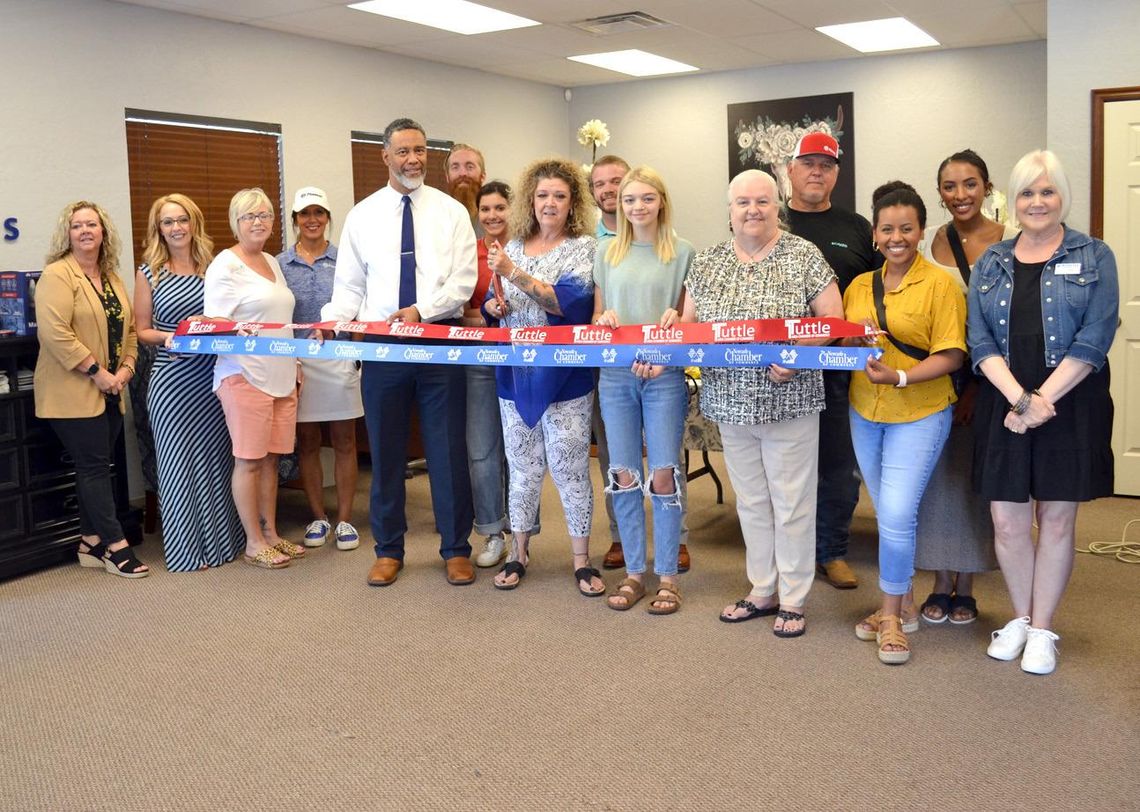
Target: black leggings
<point>91,443</point>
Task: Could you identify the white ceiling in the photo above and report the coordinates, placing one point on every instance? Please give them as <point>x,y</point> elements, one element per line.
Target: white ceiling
<point>714,35</point>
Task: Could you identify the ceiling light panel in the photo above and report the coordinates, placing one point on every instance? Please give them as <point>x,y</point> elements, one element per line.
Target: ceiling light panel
<point>634,62</point>
<point>458,16</point>
<point>873,36</point>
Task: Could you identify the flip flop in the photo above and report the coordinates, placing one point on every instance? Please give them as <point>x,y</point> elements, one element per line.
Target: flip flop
<point>511,568</point>
<point>754,611</point>
<point>785,616</point>
<point>586,574</point>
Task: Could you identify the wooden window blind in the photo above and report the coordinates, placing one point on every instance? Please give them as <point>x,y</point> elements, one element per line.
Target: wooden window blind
<point>369,172</point>
<point>206,159</point>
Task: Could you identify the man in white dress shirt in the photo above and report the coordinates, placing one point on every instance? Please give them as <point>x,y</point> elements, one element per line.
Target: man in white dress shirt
<point>407,254</point>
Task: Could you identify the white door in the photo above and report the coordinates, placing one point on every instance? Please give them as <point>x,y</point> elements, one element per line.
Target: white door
<point>1122,233</point>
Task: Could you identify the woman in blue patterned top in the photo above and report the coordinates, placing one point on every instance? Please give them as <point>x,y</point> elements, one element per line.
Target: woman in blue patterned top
<point>200,526</point>
<point>544,276</point>
<point>332,386</point>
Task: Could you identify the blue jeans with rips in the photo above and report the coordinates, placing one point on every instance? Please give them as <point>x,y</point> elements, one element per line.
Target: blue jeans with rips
<point>897,460</point>
<point>633,407</point>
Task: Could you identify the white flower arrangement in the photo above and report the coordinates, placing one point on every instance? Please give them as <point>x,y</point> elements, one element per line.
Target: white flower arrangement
<point>594,133</point>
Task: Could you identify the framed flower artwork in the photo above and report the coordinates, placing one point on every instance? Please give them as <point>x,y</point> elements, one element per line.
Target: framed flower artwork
<point>764,134</point>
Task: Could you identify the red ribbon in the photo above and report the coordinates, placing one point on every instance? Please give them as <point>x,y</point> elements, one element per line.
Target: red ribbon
<point>717,332</point>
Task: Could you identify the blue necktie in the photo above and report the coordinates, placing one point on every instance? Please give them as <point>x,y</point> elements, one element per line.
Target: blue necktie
<point>407,258</point>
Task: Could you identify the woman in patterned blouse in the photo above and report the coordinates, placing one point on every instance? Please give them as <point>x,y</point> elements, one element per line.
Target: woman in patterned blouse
<point>545,276</point>
<point>768,417</point>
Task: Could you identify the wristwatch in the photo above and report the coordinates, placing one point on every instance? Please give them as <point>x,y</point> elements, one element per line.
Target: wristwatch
<point>91,370</point>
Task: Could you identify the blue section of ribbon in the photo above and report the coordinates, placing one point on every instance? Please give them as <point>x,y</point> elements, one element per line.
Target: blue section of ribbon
<point>544,355</point>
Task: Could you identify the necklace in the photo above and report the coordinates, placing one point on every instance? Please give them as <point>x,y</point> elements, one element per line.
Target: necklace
<point>312,255</point>
<point>752,257</point>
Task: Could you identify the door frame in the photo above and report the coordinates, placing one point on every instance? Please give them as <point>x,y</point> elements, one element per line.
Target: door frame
<point>1100,98</point>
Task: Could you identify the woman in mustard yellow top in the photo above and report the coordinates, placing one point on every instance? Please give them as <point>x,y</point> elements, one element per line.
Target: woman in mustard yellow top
<point>901,403</point>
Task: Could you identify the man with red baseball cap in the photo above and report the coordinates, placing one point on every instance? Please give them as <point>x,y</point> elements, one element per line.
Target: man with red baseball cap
<point>844,238</point>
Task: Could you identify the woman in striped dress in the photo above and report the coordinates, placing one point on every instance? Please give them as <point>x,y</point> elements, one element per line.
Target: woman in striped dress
<point>200,526</point>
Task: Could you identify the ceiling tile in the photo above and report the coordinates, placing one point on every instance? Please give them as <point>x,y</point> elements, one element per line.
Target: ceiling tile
<point>560,72</point>
<point>730,18</point>
<point>796,46</point>
<point>1036,16</point>
<point>358,27</point>
<point>813,13</point>
<point>999,23</point>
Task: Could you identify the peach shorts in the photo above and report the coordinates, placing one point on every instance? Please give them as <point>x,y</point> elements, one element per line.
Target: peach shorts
<point>259,424</point>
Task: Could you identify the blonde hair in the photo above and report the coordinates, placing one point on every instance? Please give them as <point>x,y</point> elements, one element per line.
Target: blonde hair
<point>1033,165</point>
<point>60,245</point>
<point>245,201</point>
<point>663,242</point>
<point>155,252</point>
<point>580,220</point>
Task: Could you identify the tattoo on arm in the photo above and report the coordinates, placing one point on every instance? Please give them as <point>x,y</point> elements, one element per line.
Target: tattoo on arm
<point>541,292</point>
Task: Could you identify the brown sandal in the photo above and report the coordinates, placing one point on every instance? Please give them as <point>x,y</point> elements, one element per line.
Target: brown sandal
<point>891,634</point>
<point>872,620</point>
<point>668,594</point>
<point>630,590</point>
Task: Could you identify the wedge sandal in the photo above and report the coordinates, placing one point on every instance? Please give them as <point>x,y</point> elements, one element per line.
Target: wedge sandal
<point>891,634</point>
<point>872,620</point>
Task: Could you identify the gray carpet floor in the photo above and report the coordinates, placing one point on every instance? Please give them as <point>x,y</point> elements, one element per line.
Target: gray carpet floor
<point>305,689</point>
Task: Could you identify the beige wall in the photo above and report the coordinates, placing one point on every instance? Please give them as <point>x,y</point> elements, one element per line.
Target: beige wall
<point>911,111</point>
<point>1092,45</point>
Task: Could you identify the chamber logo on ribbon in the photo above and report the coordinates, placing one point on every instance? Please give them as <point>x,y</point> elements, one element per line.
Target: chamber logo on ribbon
<point>788,356</point>
<point>349,351</point>
<point>696,355</point>
<point>195,343</point>
<point>280,347</point>
<point>609,355</point>
<point>454,353</point>
<point>381,352</point>
<point>836,360</point>
<point>418,354</point>
<point>221,345</point>
<point>529,355</point>
<point>490,356</point>
<point>314,347</point>
<point>563,355</point>
<point>250,344</point>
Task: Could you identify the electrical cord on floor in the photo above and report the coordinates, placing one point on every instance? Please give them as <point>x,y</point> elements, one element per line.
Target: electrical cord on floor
<point>1124,551</point>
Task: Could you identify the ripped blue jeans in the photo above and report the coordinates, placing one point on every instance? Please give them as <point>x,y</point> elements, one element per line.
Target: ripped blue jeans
<point>633,407</point>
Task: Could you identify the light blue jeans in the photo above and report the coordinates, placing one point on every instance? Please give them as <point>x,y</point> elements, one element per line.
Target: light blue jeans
<point>632,406</point>
<point>896,460</point>
<point>485,458</point>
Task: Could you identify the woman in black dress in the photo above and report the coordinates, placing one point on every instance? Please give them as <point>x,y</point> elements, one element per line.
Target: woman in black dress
<point>1042,316</point>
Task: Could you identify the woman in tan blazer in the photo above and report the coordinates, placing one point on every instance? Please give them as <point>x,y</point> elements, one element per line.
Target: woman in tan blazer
<point>87,355</point>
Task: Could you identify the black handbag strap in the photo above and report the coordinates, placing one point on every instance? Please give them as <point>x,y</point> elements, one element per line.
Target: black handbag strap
<point>959,252</point>
<point>881,312</point>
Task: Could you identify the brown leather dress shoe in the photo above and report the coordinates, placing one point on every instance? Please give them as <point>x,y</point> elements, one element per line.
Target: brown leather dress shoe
<point>384,571</point>
<point>459,571</point>
<point>615,558</point>
<point>683,561</point>
<point>838,574</point>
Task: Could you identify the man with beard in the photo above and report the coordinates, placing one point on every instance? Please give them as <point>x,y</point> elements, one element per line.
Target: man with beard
<point>407,255</point>
<point>605,180</point>
<point>486,460</point>
<point>844,238</point>
<point>465,175</point>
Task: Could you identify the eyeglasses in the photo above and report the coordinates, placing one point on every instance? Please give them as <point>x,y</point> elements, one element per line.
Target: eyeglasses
<point>261,217</point>
<point>170,222</point>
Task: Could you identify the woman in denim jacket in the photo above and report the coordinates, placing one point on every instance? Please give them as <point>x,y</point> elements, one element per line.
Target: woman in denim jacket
<point>1042,315</point>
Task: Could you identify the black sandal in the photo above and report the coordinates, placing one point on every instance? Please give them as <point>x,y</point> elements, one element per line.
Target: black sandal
<point>122,562</point>
<point>587,574</point>
<point>963,602</point>
<point>785,616</point>
<point>753,610</point>
<point>939,600</point>
<point>92,556</point>
<point>511,568</point>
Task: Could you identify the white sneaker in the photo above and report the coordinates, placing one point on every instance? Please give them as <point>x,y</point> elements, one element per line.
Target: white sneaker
<point>1040,655</point>
<point>346,536</point>
<point>317,533</point>
<point>494,549</point>
<point>1009,640</point>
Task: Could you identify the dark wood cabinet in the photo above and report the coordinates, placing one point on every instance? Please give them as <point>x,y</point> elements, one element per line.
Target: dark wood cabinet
<point>39,509</point>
